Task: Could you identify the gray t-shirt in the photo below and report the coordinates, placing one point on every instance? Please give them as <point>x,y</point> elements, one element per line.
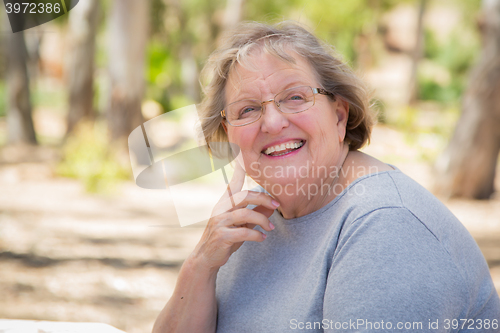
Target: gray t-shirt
<point>383,256</point>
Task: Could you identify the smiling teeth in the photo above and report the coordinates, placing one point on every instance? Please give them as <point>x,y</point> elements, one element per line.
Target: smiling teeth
<point>283,146</point>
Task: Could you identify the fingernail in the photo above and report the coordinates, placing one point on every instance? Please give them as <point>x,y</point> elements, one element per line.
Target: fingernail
<point>275,203</point>
<point>264,236</point>
<point>271,226</point>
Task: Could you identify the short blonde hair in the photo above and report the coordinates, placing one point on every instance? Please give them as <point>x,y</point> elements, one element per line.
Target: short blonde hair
<point>278,40</point>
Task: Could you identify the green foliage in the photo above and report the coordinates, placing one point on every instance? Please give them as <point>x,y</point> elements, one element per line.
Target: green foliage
<point>162,72</point>
<point>87,156</point>
<point>430,90</point>
<point>407,122</point>
<point>184,29</point>
<point>455,56</point>
<point>336,22</point>
<point>466,6</point>
<point>427,128</point>
<point>164,78</point>
<point>259,10</point>
<point>192,27</point>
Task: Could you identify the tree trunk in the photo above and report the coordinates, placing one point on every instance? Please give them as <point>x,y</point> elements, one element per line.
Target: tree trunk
<point>82,33</point>
<point>467,166</point>
<point>233,13</point>
<point>128,33</point>
<point>417,54</point>
<point>190,72</point>
<point>20,127</point>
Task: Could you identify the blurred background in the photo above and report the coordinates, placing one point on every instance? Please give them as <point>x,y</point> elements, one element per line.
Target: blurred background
<point>79,241</point>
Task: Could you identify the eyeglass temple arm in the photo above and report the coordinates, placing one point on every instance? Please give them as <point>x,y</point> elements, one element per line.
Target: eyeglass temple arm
<point>323,92</point>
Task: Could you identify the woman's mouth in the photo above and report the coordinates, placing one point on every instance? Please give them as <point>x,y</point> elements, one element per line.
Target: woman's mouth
<point>284,148</point>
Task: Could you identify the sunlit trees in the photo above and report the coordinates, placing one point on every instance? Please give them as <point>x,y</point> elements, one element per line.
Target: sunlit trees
<point>80,61</point>
<point>467,167</point>
<point>20,127</point>
<point>127,39</point>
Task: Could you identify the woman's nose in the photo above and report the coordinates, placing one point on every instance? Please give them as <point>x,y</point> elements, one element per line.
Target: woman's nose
<point>273,120</point>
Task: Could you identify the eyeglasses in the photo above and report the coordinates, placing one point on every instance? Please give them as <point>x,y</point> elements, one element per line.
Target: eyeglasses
<point>293,100</point>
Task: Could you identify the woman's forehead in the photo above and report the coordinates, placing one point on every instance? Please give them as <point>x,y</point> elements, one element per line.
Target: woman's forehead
<point>263,71</point>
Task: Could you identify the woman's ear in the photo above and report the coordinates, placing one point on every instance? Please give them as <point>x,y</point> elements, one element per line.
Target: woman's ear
<point>342,111</point>
<point>224,126</point>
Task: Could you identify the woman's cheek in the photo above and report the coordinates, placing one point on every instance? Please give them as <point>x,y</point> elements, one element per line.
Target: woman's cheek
<point>253,170</point>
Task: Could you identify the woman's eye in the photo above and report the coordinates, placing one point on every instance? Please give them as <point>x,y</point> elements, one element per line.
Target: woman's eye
<point>295,98</point>
<point>247,110</point>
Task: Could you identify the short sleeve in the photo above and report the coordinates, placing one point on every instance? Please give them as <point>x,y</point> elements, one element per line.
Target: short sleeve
<point>389,273</point>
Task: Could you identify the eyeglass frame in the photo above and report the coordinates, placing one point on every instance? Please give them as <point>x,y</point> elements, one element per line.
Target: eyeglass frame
<point>315,91</point>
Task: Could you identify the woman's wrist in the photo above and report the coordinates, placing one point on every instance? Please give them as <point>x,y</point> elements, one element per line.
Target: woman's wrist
<point>195,263</point>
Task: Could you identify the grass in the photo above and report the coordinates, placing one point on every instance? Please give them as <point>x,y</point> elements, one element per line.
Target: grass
<point>88,156</point>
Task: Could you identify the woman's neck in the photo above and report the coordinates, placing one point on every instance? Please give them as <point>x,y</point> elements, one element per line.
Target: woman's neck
<point>356,164</point>
<point>312,195</point>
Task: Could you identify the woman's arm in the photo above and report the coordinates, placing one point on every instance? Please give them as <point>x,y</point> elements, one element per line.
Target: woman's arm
<point>193,306</point>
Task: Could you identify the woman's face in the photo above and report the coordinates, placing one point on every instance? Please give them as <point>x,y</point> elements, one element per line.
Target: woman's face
<point>319,130</point>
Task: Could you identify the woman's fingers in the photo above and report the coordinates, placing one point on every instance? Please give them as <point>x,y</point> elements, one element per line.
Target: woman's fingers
<point>243,199</point>
<point>232,223</point>
<point>245,216</point>
<point>239,235</point>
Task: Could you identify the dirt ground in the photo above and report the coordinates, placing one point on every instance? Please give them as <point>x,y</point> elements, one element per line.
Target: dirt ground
<point>67,255</point>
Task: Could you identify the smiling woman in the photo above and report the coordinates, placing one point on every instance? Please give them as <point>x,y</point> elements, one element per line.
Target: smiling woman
<point>335,237</point>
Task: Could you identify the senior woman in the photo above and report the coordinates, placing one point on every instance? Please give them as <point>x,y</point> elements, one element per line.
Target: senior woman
<point>337,240</point>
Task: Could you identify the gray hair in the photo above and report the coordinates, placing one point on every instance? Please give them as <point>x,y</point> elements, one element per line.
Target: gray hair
<point>278,40</point>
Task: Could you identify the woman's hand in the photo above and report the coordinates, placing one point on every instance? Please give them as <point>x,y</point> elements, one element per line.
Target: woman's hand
<point>232,223</point>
